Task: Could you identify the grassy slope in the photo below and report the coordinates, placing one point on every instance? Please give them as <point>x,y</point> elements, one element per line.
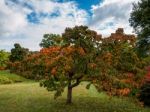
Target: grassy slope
<point>6,77</point>
<point>29,97</point>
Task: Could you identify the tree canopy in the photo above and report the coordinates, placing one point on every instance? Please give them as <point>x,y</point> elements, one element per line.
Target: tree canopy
<point>18,53</point>
<point>50,40</point>
<point>140,21</point>
<point>110,64</point>
<point>72,62</point>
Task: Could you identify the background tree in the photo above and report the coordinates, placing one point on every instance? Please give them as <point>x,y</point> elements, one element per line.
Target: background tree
<point>50,40</point>
<point>120,67</point>
<point>140,21</point>
<point>18,53</point>
<point>4,57</point>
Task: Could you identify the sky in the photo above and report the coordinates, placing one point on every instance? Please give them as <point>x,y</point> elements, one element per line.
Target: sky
<point>25,21</point>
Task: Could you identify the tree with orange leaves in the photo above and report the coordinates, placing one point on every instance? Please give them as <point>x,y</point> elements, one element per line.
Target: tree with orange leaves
<point>73,62</point>
<point>84,56</point>
<point>122,69</point>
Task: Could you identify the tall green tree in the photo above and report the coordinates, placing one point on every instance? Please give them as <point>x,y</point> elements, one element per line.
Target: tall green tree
<point>140,21</point>
<point>50,40</point>
<point>18,53</point>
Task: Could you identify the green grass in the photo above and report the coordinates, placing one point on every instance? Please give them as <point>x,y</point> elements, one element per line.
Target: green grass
<point>6,77</point>
<point>29,97</point>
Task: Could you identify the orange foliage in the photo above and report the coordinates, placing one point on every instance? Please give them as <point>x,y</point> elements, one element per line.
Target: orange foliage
<point>119,35</point>
<point>92,65</point>
<point>71,50</point>
<point>123,92</point>
<point>67,50</point>
<point>2,68</point>
<point>147,76</point>
<point>53,71</point>
<point>50,50</point>
<point>108,58</point>
<point>81,51</point>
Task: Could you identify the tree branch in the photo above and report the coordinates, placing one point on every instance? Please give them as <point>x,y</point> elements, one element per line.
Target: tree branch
<point>77,82</point>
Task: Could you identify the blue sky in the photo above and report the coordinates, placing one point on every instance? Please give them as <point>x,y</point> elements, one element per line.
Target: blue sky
<point>84,4</point>
<point>25,21</point>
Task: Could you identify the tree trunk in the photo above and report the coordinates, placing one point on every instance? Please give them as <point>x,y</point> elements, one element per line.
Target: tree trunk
<point>70,86</point>
<point>69,94</point>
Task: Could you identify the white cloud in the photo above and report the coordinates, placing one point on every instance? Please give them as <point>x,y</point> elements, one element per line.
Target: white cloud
<point>111,14</point>
<point>15,26</point>
<point>106,17</point>
<point>10,21</point>
<point>44,6</point>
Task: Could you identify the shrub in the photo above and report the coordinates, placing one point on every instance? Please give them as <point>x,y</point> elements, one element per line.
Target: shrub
<point>2,68</point>
<point>23,68</point>
<point>4,57</point>
<point>6,77</point>
<point>5,80</point>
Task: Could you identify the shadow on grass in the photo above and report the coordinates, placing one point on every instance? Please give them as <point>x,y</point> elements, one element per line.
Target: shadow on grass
<point>81,104</point>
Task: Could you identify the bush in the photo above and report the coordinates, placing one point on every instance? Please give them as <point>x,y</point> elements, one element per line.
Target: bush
<point>5,80</point>
<point>4,57</point>
<point>23,68</point>
<point>145,94</point>
<point>2,68</point>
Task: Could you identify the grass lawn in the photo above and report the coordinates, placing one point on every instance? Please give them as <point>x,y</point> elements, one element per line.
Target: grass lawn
<point>29,97</point>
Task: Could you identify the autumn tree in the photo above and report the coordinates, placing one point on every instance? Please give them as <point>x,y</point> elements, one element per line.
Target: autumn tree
<point>110,64</point>
<point>140,21</point>
<point>73,62</point>
<point>121,70</point>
